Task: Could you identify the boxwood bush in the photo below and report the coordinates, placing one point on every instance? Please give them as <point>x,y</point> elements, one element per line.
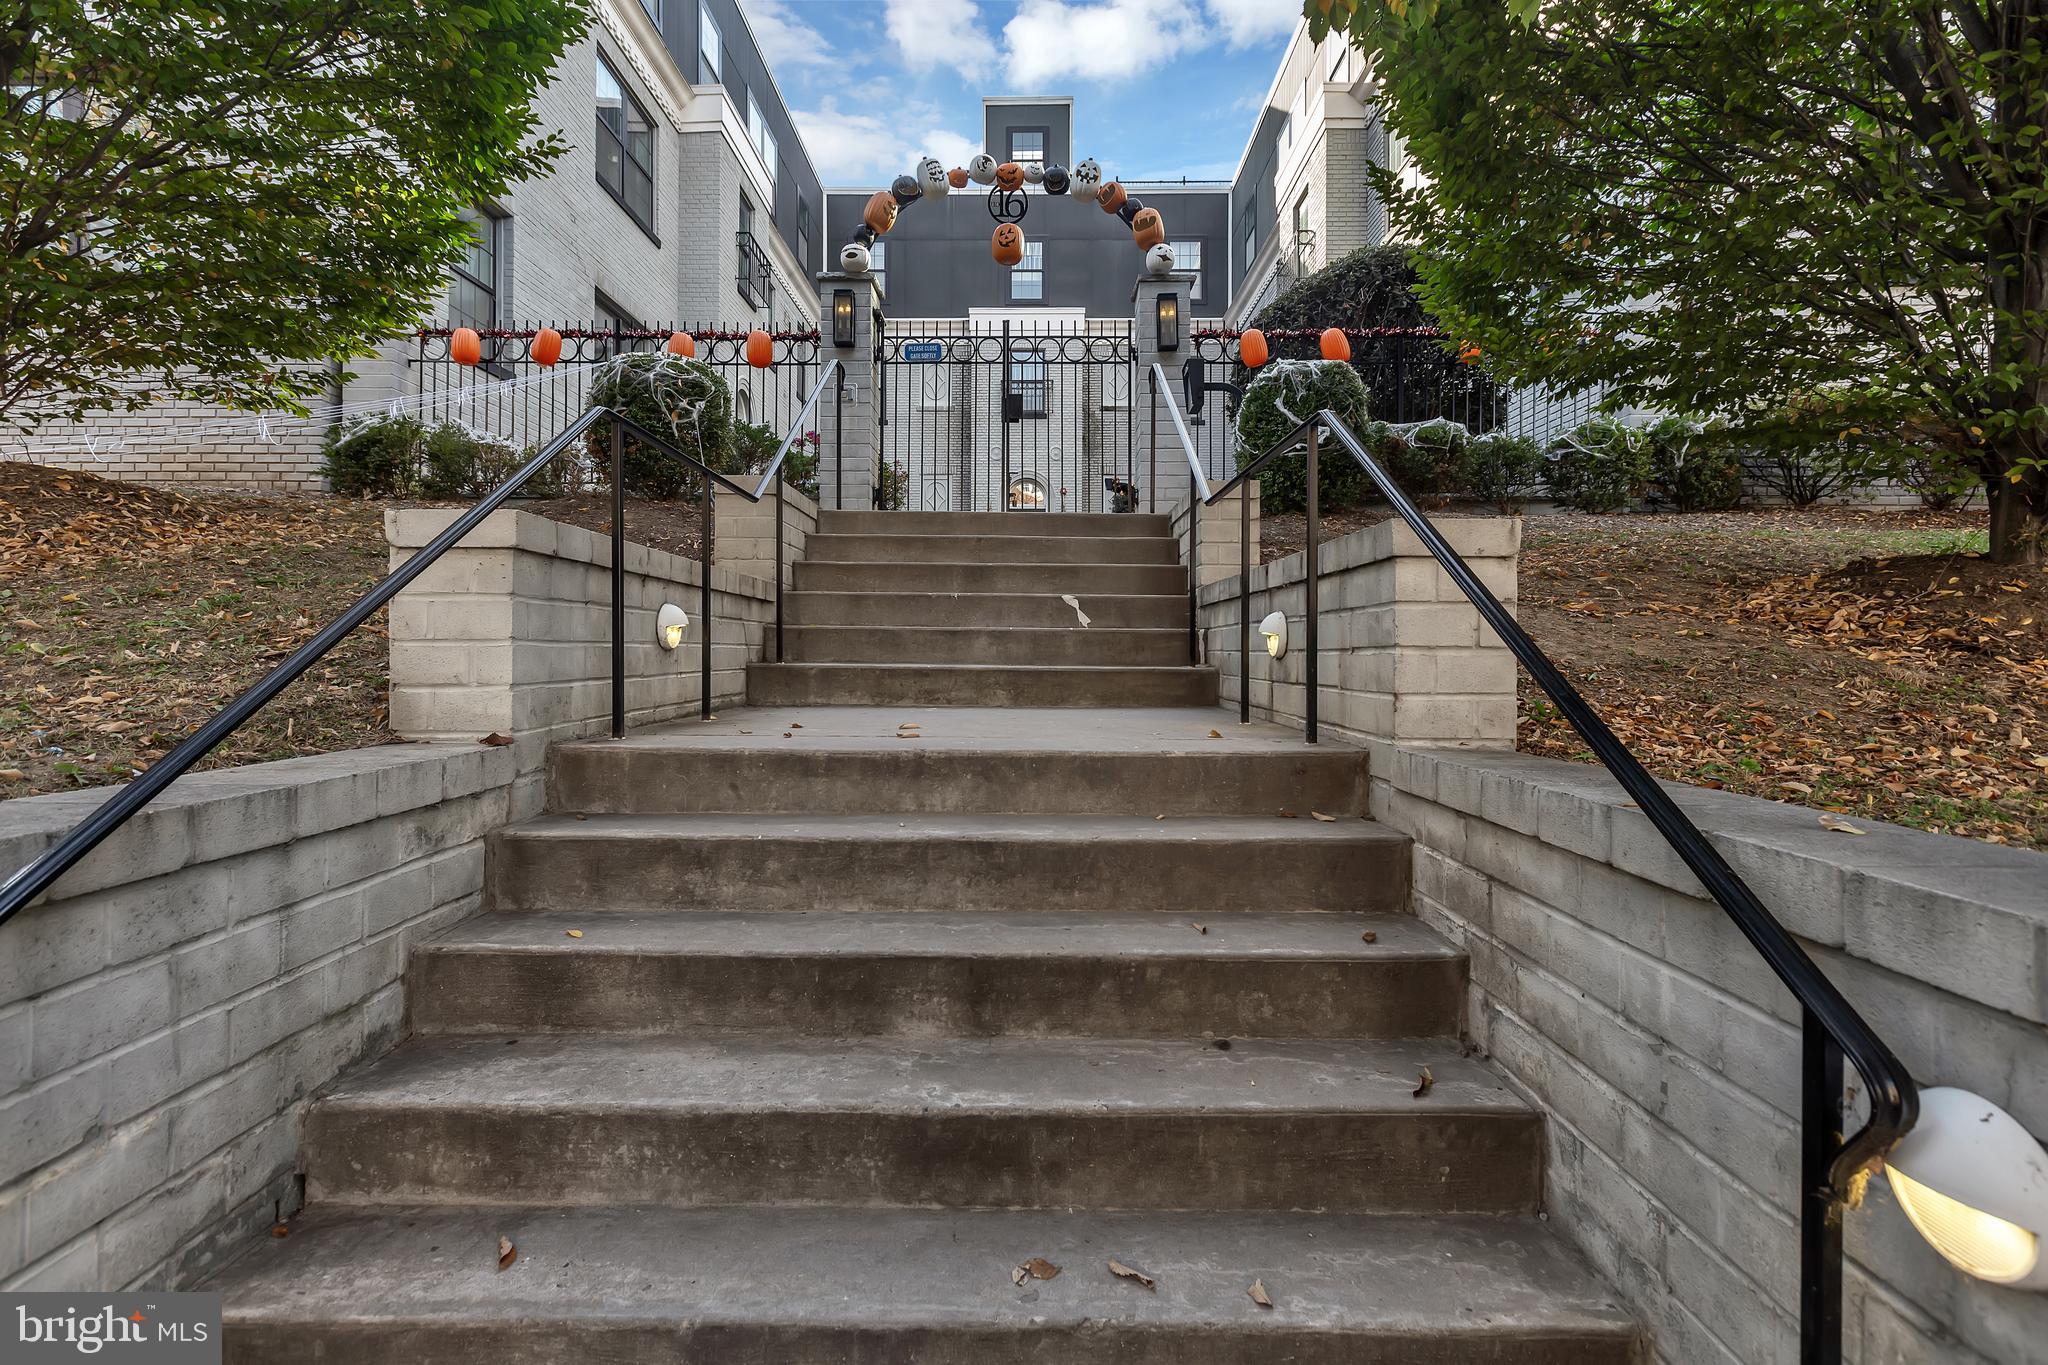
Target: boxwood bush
<point>1282,393</point>
<point>408,457</point>
<point>684,401</point>
<point>1602,466</point>
<point>1692,469</point>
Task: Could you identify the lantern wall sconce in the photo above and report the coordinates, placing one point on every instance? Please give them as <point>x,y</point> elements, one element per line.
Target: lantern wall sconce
<point>1274,628</point>
<point>669,624</point>
<point>842,318</point>
<point>1974,1183</point>
<point>1166,316</point>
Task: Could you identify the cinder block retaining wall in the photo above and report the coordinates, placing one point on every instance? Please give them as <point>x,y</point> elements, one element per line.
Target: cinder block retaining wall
<point>1667,1056</point>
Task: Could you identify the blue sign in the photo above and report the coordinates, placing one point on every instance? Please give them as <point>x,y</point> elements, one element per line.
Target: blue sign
<point>924,352</point>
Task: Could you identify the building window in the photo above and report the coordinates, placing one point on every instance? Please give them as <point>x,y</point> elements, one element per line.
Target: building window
<point>1027,145</point>
<point>1188,256</point>
<point>1027,493</point>
<point>1304,236</point>
<point>764,141</point>
<point>625,147</point>
<point>1340,65</point>
<point>1027,277</point>
<point>473,280</point>
<point>710,69</point>
<point>1027,378</point>
<point>746,215</point>
<point>612,318</point>
<point>1248,233</point>
<point>803,233</point>
<point>653,8</point>
<point>878,266</point>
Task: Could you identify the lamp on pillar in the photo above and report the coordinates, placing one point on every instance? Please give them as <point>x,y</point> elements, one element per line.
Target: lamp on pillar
<point>1167,317</point>
<point>842,318</point>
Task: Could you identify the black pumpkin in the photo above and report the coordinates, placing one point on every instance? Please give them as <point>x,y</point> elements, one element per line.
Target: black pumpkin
<point>1129,209</point>
<point>905,188</point>
<point>1057,181</point>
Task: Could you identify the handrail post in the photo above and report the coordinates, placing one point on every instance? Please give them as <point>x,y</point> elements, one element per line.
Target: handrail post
<point>778,569</point>
<point>1152,478</point>
<point>618,581</point>
<point>839,441</point>
<point>1313,554</point>
<point>1194,576</point>
<point>706,535</point>
<point>1820,1205</point>
<point>1244,608</point>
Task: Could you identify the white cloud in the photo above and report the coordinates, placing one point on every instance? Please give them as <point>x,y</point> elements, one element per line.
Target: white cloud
<point>1246,23</point>
<point>940,33</point>
<point>786,41</point>
<point>873,149</point>
<point>1050,41</point>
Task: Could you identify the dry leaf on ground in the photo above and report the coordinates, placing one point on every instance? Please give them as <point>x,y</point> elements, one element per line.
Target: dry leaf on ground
<point>1215,734</point>
<point>280,1230</point>
<point>1259,1294</point>
<point>1424,1082</point>
<point>496,740</point>
<point>573,933</point>
<point>507,1253</point>
<point>1326,819</point>
<point>1370,937</point>
<point>1037,1268</point>
<point>1124,1272</point>
<point>1841,826</point>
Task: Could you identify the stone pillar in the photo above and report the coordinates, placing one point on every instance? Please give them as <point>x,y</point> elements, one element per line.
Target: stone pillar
<point>1172,479</point>
<point>846,472</point>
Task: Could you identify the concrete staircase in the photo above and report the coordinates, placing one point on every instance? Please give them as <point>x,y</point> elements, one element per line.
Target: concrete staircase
<point>790,1036</point>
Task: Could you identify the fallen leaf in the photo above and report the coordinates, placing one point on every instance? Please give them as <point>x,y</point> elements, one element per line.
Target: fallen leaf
<point>280,1230</point>
<point>507,1253</point>
<point>1841,826</point>
<point>1424,1082</point>
<point>1259,1294</point>
<point>796,725</point>
<point>12,775</point>
<point>1326,819</point>
<point>1200,928</point>
<point>496,740</point>
<point>1122,1271</point>
<point>1370,937</point>
<point>1037,1268</point>
<point>1288,815</point>
<point>573,933</point>
<point>910,725</point>
<point>1215,734</point>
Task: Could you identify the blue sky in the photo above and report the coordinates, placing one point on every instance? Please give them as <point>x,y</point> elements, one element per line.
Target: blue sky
<point>1161,87</point>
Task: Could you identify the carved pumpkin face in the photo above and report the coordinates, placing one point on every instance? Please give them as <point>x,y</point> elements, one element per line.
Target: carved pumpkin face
<point>1159,259</point>
<point>1147,229</point>
<point>982,170</point>
<point>931,178</point>
<point>906,189</point>
<point>880,214</point>
<point>957,177</point>
<point>1057,180</point>
<point>1009,176</point>
<point>854,259</point>
<point>1088,178</point>
<point>1034,173</point>
<point>1007,246</point>
<point>1111,197</point>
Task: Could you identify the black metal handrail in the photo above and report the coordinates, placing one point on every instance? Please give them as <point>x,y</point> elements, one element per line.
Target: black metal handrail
<point>30,881</point>
<point>1832,1166</point>
<point>1159,387</point>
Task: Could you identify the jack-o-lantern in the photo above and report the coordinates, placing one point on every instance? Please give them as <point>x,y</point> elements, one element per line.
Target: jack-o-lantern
<point>1334,344</point>
<point>1057,181</point>
<point>1159,259</point>
<point>465,347</point>
<point>1130,209</point>
<point>760,349</point>
<point>982,169</point>
<point>682,344</point>
<point>1111,197</point>
<point>1007,246</point>
<point>906,189</point>
<point>1148,229</point>
<point>931,178</point>
<point>880,213</point>
<point>957,177</point>
<point>1009,176</point>
<point>1251,348</point>
<point>855,259</point>
<point>547,346</point>
<point>1034,173</point>
<point>1088,178</point>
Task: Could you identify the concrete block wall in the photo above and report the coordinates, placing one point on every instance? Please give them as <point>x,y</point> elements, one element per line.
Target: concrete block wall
<point>1218,549</point>
<point>1610,989</point>
<point>1401,654</point>
<point>745,539</point>
<point>510,633</point>
<point>181,442</point>
<point>167,1008</point>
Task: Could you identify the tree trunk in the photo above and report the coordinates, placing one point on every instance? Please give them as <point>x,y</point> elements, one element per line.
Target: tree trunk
<point>2019,516</point>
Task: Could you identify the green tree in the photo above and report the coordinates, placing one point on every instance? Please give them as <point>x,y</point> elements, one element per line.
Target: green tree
<point>1734,208</point>
<point>214,200</point>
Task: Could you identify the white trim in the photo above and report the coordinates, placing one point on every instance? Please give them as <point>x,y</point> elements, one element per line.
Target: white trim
<point>1013,100</point>
<point>620,19</point>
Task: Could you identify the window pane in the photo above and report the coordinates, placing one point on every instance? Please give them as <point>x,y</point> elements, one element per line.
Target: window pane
<point>611,99</point>
<point>653,8</point>
<point>1027,284</point>
<point>640,194</point>
<point>1026,146</point>
<point>708,43</point>
<point>610,160</point>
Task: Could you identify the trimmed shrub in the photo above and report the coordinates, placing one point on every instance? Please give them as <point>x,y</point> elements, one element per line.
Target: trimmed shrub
<point>1603,466</point>
<point>755,445</point>
<point>1302,387</point>
<point>891,482</point>
<point>684,401</point>
<point>1692,468</point>
<point>1503,470</point>
<point>404,457</point>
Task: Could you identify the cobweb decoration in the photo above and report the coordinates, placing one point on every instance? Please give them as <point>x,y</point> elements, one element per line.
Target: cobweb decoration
<point>682,389</point>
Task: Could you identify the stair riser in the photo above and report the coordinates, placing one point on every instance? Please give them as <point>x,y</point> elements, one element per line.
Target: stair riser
<point>970,524</point>
<point>623,780</point>
<point>544,1342</point>
<point>975,645</point>
<point>942,685</point>
<point>1212,876</point>
<point>1376,1163</point>
<point>816,575</point>
<point>842,995</point>
<point>999,549</point>
<point>1159,611</point>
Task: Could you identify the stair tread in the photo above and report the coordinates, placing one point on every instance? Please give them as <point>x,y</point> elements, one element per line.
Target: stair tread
<point>560,1073</point>
<point>881,1269</point>
<point>922,828</point>
<point>1150,935</point>
<point>971,730</point>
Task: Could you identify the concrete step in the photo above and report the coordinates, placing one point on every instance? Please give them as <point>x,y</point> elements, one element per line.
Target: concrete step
<point>1156,611</point>
<point>940,975</point>
<point>871,684</point>
<point>993,549</point>
<point>913,1287</point>
<point>1195,865</point>
<point>965,1123</point>
<point>1096,524</point>
<point>857,761</point>
<point>1045,647</point>
<point>816,574</point>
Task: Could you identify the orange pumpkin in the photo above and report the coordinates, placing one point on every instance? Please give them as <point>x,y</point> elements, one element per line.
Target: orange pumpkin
<point>1469,354</point>
<point>682,344</point>
<point>880,214</point>
<point>1334,344</point>
<point>1007,246</point>
<point>957,178</point>
<point>1148,229</point>
<point>547,346</point>
<point>465,347</point>
<point>760,349</point>
<point>1251,348</point>
<point>1009,176</point>
<point>1111,197</point>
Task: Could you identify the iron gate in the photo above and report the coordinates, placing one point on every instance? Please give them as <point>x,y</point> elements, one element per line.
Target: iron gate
<point>986,416</point>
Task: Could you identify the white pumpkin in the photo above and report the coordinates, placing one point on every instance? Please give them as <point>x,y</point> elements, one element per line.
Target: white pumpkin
<point>1159,260</point>
<point>1034,173</point>
<point>982,170</point>
<point>931,178</point>
<point>1087,179</point>
<point>854,259</point>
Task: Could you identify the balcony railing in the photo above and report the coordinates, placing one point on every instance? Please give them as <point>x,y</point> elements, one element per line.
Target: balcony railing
<point>756,276</point>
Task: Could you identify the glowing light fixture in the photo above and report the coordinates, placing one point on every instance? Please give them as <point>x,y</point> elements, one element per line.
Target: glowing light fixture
<point>1274,628</point>
<point>1974,1183</point>
<point>669,625</point>
<point>842,318</point>
<point>1166,315</point>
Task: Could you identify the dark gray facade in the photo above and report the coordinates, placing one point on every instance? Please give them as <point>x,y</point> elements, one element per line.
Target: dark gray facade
<point>1053,119</point>
<point>1253,211</point>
